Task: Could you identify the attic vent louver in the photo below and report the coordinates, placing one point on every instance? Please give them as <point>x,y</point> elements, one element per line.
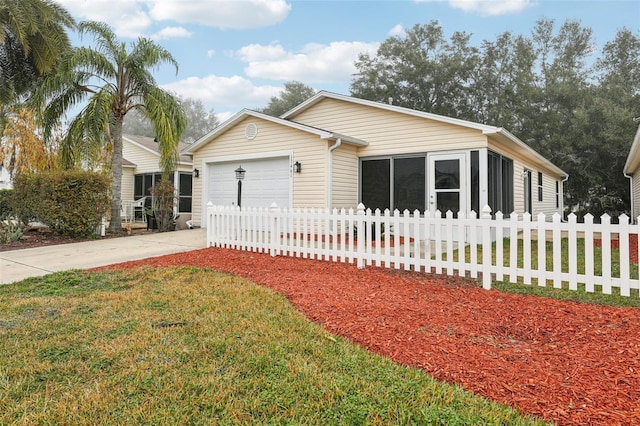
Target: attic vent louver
<point>251,131</point>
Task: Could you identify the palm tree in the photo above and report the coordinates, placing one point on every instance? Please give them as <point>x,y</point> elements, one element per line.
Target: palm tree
<point>114,81</point>
<point>32,38</point>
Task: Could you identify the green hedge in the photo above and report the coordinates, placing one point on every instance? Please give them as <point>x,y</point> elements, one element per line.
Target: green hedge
<point>6,211</point>
<point>70,202</point>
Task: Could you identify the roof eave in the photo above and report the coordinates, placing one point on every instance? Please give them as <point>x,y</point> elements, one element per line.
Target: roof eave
<point>504,132</point>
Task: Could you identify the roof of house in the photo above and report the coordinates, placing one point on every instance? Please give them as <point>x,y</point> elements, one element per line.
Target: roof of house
<point>224,127</point>
<point>151,145</point>
<point>633,159</point>
<point>499,133</point>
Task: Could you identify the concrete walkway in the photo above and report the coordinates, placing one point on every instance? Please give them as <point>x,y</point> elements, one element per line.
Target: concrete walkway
<point>17,265</point>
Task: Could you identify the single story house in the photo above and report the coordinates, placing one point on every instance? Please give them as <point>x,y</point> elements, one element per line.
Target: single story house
<point>337,151</point>
<point>141,170</point>
<point>632,171</point>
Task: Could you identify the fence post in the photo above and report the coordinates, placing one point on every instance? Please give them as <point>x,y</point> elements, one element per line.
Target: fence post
<point>274,234</point>
<point>360,240</point>
<point>542,249</point>
<point>210,229</point>
<point>573,253</point>
<point>556,242</point>
<point>486,247</point>
<point>605,222</point>
<point>623,245</point>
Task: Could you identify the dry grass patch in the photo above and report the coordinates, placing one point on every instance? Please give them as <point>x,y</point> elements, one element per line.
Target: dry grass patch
<point>191,346</point>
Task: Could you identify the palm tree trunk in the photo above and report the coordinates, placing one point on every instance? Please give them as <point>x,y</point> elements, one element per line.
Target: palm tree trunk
<point>116,184</point>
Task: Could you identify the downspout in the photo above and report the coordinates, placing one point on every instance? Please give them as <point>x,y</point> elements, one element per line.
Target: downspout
<point>330,171</point>
<point>630,177</point>
<point>566,178</point>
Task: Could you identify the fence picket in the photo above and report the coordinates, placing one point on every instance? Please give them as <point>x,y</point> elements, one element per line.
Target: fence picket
<point>623,244</point>
<point>605,221</point>
<point>499,246</point>
<point>556,242</point>
<point>573,253</point>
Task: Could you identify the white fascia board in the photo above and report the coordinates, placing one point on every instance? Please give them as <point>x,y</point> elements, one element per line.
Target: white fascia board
<point>634,155</point>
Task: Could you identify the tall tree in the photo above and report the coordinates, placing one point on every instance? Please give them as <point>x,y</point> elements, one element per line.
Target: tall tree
<point>293,94</point>
<point>112,80</point>
<point>32,38</point>
<point>23,149</point>
<point>419,70</point>
<point>199,121</point>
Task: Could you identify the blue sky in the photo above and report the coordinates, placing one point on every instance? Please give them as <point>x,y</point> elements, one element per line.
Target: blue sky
<point>238,54</point>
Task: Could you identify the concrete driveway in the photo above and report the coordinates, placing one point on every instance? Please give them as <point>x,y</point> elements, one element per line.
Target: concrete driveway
<point>17,265</point>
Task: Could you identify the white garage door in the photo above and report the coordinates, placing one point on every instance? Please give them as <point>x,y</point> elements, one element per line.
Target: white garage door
<point>266,180</point>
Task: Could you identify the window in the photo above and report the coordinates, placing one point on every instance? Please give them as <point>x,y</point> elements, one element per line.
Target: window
<point>475,181</point>
<point>528,208</point>
<point>185,184</point>
<point>540,186</point>
<point>557,195</point>
<point>143,184</point>
<point>376,184</point>
<point>409,184</point>
<point>393,183</point>
<point>500,181</point>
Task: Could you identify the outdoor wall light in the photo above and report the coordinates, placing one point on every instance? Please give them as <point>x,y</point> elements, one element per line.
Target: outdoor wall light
<point>196,173</point>
<point>297,167</point>
<point>240,173</point>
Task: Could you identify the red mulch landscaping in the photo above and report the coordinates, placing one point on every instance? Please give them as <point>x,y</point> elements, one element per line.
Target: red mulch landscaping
<point>569,363</point>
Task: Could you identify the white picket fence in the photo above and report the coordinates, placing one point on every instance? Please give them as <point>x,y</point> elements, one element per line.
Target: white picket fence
<point>427,242</point>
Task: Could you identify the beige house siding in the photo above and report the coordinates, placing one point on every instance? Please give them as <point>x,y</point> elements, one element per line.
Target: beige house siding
<point>127,183</point>
<point>145,160</point>
<point>345,177</point>
<point>548,203</point>
<point>384,129</point>
<point>309,186</point>
<point>635,196</point>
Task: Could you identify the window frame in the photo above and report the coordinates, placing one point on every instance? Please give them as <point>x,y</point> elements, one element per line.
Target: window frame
<point>540,187</point>
<point>391,180</point>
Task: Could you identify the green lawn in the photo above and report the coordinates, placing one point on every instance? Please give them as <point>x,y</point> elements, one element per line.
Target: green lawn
<point>191,346</point>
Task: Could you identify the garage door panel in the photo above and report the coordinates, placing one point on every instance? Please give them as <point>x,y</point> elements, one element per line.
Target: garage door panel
<point>266,181</point>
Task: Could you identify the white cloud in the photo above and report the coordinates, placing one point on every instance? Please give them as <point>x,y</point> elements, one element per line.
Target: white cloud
<point>133,18</point>
<point>397,30</point>
<point>172,32</point>
<point>488,7</point>
<point>235,92</point>
<point>211,53</point>
<point>230,14</point>
<point>314,63</point>
<point>126,17</point>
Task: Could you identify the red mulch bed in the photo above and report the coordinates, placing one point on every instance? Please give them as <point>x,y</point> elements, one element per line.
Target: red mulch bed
<point>567,362</point>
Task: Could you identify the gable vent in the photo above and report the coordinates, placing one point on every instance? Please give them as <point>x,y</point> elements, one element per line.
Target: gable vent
<point>251,131</point>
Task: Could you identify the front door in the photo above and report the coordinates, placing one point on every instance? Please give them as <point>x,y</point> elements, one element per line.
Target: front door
<point>447,183</point>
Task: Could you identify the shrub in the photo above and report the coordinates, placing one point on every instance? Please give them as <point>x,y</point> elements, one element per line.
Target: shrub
<point>6,211</point>
<point>70,202</point>
<point>164,199</point>
<point>27,197</point>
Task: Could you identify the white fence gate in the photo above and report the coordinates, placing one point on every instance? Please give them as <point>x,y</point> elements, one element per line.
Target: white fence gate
<point>519,247</point>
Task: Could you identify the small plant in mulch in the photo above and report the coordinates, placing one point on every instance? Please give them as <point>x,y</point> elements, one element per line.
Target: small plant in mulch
<point>10,231</point>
